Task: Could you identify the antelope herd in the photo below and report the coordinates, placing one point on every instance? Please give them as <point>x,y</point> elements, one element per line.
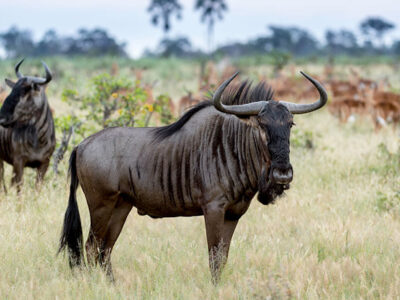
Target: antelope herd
<point>355,97</point>
<point>364,97</point>
<point>351,98</point>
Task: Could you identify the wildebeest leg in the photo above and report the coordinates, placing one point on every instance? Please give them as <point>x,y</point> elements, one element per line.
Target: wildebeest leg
<point>18,171</point>
<point>117,221</point>
<point>100,209</point>
<point>219,234</point>
<point>228,230</point>
<point>41,171</point>
<point>2,176</point>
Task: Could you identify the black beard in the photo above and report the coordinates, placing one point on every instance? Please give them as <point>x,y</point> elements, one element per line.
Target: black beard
<point>268,191</point>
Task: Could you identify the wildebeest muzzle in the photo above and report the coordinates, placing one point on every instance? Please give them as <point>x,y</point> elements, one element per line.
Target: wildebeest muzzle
<point>273,182</point>
<point>281,175</point>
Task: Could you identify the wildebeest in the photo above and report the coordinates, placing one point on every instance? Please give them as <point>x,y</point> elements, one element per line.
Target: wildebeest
<point>211,162</point>
<point>27,137</point>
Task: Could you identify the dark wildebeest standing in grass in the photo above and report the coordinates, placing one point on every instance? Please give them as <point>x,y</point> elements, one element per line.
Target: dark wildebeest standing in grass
<point>27,136</point>
<point>211,162</point>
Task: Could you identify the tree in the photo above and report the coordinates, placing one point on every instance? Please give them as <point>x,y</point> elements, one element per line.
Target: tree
<point>303,42</point>
<point>94,43</point>
<point>292,39</point>
<point>341,42</point>
<point>211,10</point>
<point>261,44</point>
<point>375,27</point>
<point>237,49</point>
<point>17,42</point>
<point>280,38</point>
<point>50,44</point>
<point>178,47</point>
<point>396,48</point>
<point>281,43</point>
<point>162,10</point>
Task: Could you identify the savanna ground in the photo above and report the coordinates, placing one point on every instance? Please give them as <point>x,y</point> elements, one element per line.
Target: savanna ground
<point>336,233</point>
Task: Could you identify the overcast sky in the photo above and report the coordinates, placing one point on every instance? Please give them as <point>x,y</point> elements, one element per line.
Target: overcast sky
<point>129,21</point>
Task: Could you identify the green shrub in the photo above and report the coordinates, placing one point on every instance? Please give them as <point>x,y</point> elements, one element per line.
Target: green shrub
<point>116,101</point>
<point>390,162</point>
<point>302,139</point>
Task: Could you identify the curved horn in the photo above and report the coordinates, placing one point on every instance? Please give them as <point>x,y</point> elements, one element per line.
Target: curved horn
<point>295,108</point>
<point>19,74</point>
<point>240,110</point>
<point>41,81</point>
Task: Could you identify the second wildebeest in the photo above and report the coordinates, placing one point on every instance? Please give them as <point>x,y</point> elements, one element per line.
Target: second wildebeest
<point>211,162</point>
<point>27,135</point>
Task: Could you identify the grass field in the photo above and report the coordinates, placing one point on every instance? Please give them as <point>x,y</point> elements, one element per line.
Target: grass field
<point>336,233</point>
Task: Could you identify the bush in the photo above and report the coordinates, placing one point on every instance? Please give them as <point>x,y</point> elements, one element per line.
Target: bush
<point>114,101</point>
<point>70,127</point>
<point>302,139</point>
<point>390,162</point>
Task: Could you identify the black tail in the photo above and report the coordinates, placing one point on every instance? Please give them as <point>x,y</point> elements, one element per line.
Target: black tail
<point>71,236</point>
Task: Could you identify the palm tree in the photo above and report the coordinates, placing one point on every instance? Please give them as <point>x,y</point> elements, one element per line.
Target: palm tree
<point>163,10</point>
<point>211,11</point>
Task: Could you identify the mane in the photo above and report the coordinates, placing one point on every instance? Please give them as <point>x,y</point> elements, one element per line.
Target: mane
<point>168,130</point>
<point>238,94</point>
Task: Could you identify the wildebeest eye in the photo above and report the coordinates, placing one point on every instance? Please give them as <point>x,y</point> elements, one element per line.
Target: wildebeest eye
<point>35,87</point>
<point>26,89</point>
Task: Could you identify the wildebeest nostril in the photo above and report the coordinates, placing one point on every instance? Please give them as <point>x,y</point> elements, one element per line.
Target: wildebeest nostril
<point>282,176</point>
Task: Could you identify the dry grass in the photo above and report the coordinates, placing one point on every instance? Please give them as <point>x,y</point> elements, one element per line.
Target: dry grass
<point>336,234</point>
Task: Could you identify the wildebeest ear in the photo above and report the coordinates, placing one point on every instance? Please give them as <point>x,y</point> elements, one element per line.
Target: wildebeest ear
<point>10,83</point>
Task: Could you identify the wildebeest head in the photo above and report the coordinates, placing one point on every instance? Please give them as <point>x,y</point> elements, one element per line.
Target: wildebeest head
<point>26,98</point>
<point>275,119</point>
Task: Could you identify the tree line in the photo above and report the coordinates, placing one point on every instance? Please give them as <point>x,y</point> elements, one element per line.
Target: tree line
<point>18,42</point>
<point>292,41</point>
<point>297,42</point>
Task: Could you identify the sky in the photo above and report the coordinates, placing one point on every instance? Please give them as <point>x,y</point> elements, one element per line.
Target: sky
<point>129,21</point>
